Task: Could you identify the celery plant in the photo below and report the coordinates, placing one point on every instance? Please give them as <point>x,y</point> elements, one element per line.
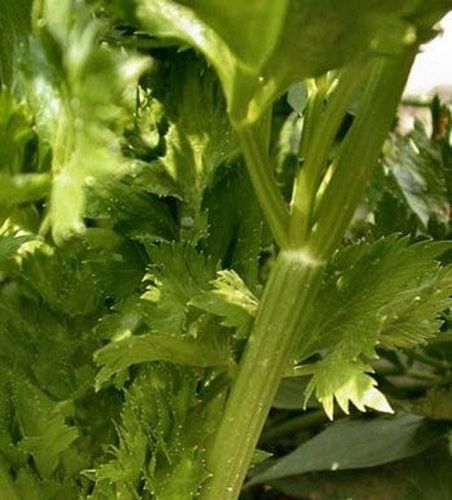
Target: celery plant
<point>132,240</point>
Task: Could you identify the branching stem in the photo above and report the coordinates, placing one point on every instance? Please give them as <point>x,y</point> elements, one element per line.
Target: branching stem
<point>297,273</point>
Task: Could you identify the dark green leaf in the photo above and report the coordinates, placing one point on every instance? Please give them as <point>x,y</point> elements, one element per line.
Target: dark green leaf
<point>351,444</point>
<point>15,26</point>
<point>236,227</point>
<point>417,166</point>
<point>420,478</point>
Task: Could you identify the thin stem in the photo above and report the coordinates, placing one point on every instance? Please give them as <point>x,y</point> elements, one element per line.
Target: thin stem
<point>360,151</point>
<point>417,374</point>
<point>311,115</point>
<point>264,182</point>
<point>286,302</point>
<point>440,338</point>
<point>442,366</point>
<point>316,151</point>
<point>414,102</point>
<point>293,425</point>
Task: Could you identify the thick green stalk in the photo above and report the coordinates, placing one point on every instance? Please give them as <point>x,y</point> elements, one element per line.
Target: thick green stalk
<point>286,301</point>
<point>296,276</point>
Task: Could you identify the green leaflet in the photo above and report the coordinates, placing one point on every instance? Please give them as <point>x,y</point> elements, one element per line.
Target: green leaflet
<point>199,136</point>
<point>43,432</point>
<point>124,319</point>
<point>382,293</point>
<point>345,380</point>
<point>403,278</point>
<point>231,300</point>
<point>177,273</point>
<point>77,277</point>
<point>236,227</point>
<point>421,175</point>
<point>125,205</point>
<point>208,350</point>
<point>47,372</point>
<point>163,429</point>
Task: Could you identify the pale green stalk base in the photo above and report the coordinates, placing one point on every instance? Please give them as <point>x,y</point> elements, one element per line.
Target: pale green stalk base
<point>286,301</point>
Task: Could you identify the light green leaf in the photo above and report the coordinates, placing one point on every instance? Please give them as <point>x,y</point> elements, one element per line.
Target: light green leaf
<point>162,434</point>
<point>230,299</point>
<point>256,68</point>
<point>82,95</point>
<point>341,378</point>
<point>177,274</point>
<point>218,31</point>
<point>205,351</point>
<point>44,432</point>
<point>382,293</point>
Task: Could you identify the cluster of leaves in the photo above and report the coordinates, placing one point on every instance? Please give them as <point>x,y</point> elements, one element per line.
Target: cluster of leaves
<point>133,251</point>
<point>128,182</point>
<point>411,188</point>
